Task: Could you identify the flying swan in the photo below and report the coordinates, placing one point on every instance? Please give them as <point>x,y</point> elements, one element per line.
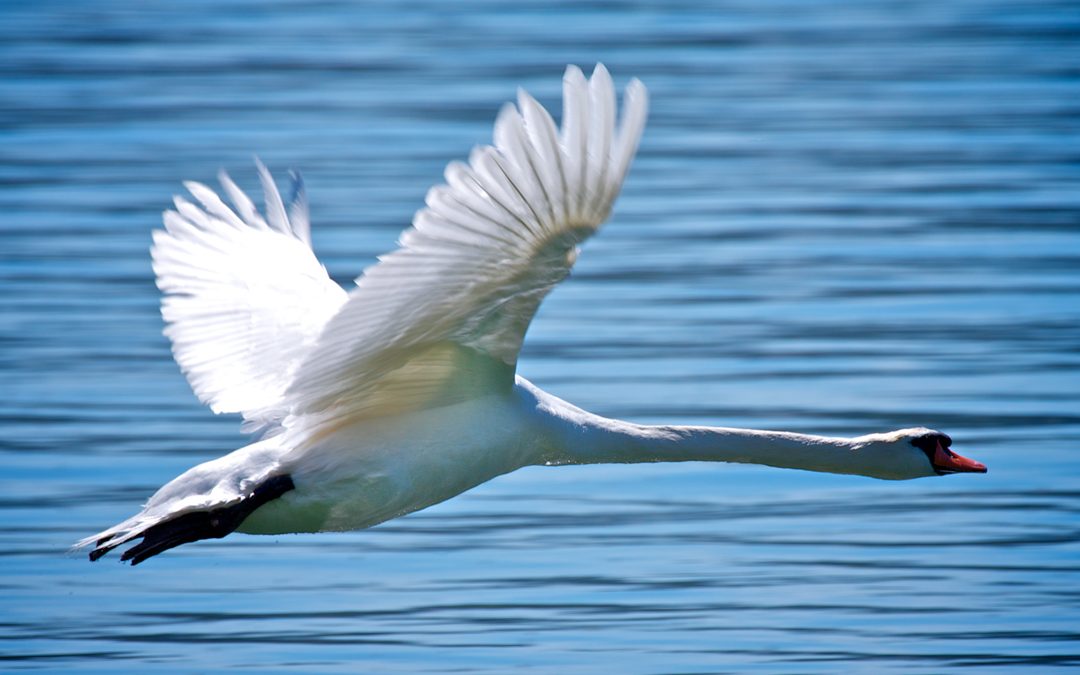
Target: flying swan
<point>402,392</point>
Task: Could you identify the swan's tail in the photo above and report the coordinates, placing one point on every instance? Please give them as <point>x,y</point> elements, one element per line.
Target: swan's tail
<point>160,533</point>
<point>205,502</point>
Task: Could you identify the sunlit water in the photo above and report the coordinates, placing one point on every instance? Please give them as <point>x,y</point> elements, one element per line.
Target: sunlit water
<point>843,219</point>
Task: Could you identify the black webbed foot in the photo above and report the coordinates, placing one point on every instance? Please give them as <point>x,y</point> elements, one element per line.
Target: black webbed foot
<point>189,527</point>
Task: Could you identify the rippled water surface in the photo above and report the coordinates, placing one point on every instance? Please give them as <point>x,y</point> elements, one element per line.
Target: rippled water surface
<point>844,218</point>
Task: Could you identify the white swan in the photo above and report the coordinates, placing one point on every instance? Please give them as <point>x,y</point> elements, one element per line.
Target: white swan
<point>402,393</point>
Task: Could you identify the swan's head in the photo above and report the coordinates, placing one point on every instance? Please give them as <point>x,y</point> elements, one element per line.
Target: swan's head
<point>914,453</point>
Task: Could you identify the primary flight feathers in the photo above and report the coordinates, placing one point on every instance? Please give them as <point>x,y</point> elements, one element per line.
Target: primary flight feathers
<point>259,328</point>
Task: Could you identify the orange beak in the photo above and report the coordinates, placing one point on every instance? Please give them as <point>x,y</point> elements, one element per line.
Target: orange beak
<point>947,461</point>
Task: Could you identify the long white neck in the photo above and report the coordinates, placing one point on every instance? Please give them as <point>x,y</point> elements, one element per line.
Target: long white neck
<point>576,436</point>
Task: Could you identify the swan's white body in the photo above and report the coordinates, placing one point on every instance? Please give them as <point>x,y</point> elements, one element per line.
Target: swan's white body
<point>402,393</point>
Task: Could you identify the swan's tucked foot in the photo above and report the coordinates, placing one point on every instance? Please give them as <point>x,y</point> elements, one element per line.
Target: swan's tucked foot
<point>189,527</point>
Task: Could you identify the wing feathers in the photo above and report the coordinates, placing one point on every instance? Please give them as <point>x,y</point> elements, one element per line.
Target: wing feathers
<point>243,301</point>
<point>545,159</point>
<point>634,113</point>
<point>299,218</point>
<point>575,143</point>
<point>258,327</point>
<point>275,209</point>
<point>244,206</point>
<point>601,130</point>
<point>211,202</point>
<point>519,165</point>
<point>481,255</point>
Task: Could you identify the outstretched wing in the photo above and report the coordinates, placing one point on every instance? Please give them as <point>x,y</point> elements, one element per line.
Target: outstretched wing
<point>259,328</point>
<point>444,316</point>
<point>244,296</point>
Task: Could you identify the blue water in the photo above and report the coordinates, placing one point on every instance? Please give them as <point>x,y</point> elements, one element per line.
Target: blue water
<point>845,217</point>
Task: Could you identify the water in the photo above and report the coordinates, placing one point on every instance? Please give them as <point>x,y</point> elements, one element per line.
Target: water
<point>844,218</point>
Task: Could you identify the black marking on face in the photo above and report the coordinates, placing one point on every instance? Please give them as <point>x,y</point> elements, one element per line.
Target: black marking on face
<point>929,443</point>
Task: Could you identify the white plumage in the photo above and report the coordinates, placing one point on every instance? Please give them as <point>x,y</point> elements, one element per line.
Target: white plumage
<point>402,392</point>
<point>245,298</point>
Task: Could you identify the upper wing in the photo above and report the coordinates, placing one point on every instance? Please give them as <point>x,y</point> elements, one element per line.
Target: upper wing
<point>244,297</point>
<point>444,315</point>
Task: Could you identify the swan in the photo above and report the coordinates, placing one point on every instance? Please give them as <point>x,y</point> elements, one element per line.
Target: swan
<point>402,392</point>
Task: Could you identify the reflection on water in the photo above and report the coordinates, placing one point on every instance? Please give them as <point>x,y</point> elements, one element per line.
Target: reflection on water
<point>843,219</point>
